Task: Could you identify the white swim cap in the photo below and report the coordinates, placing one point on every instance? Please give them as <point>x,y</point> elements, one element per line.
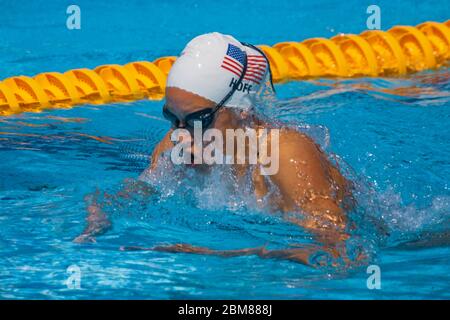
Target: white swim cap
<point>212,63</point>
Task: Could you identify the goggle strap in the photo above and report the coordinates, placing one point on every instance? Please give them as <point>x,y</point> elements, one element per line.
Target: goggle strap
<point>235,85</point>
<point>265,57</point>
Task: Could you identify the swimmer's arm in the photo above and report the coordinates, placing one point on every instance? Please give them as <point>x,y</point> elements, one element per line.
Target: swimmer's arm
<point>311,255</point>
<point>97,221</point>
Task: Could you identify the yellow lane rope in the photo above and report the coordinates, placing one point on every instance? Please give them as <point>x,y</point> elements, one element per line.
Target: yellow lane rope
<point>400,50</point>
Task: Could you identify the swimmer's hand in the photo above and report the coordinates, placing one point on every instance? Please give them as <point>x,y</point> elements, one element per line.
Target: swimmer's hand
<point>97,222</point>
<point>84,238</point>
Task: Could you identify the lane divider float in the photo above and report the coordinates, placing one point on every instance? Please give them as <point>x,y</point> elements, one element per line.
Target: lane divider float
<point>398,51</point>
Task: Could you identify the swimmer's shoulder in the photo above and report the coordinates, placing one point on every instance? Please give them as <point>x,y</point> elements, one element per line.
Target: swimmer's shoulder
<point>295,145</point>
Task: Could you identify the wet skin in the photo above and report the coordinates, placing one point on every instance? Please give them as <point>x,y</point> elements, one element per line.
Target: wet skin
<point>307,181</point>
<point>308,184</point>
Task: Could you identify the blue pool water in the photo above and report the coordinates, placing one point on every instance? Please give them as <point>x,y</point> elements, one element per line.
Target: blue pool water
<point>392,136</point>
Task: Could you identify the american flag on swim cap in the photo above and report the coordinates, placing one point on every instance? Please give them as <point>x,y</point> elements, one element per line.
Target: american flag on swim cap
<point>234,62</point>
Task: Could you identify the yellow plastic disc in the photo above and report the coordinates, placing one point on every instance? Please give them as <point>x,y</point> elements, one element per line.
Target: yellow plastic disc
<point>58,88</point>
<point>388,52</point>
<point>416,47</point>
<point>150,78</point>
<point>279,67</point>
<point>439,36</point>
<point>165,63</point>
<point>8,102</point>
<point>29,94</point>
<point>299,59</point>
<point>120,82</point>
<point>447,23</point>
<point>90,86</point>
<point>359,54</point>
<point>330,59</point>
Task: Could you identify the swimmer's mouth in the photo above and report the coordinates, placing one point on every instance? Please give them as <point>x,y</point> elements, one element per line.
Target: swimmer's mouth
<point>203,167</point>
<point>192,163</point>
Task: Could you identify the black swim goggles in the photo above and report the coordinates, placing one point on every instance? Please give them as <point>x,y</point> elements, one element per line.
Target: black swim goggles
<point>206,116</point>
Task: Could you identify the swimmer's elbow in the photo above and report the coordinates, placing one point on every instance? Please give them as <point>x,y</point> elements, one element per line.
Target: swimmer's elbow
<point>164,145</point>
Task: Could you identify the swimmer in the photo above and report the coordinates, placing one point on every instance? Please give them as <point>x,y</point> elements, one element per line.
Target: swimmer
<point>215,82</point>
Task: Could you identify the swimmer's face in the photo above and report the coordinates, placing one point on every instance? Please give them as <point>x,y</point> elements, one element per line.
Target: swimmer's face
<point>182,103</point>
